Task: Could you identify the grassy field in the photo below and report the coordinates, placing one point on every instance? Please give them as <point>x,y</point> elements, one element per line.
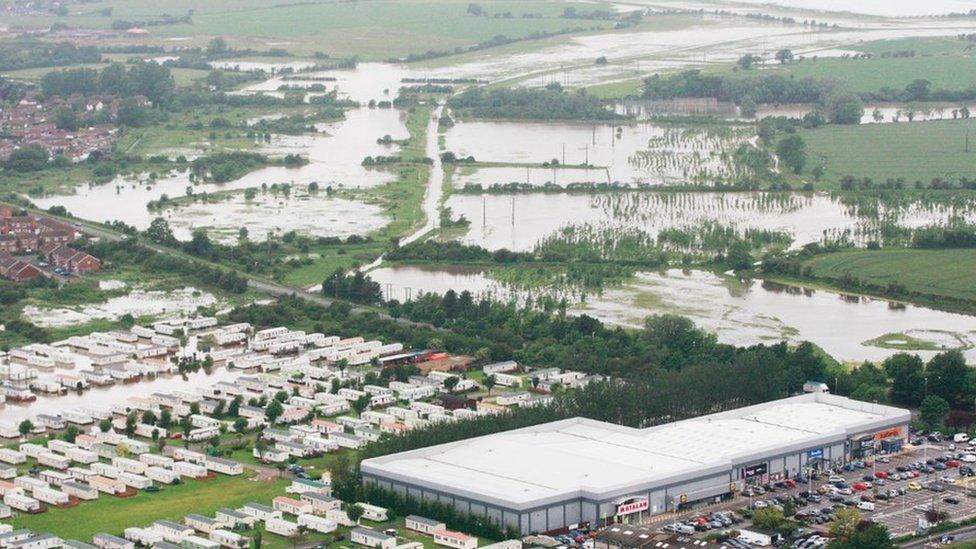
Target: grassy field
<point>111,514</point>
<point>916,151</point>
<point>937,273</point>
<point>374,29</point>
<point>183,77</point>
<point>945,62</point>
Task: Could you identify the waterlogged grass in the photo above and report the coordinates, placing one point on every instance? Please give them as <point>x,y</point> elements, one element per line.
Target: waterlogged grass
<point>905,342</point>
<point>916,151</point>
<point>112,515</point>
<point>617,90</point>
<point>936,273</point>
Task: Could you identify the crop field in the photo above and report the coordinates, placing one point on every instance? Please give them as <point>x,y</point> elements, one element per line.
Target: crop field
<point>374,29</point>
<point>915,151</point>
<point>112,515</point>
<point>948,273</point>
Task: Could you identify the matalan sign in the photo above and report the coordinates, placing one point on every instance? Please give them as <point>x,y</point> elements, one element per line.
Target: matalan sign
<point>633,507</point>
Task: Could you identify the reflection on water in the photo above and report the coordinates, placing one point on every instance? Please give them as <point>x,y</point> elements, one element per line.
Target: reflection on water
<point>103,398</point>
<point>740,313</point>
<point>520,222</point>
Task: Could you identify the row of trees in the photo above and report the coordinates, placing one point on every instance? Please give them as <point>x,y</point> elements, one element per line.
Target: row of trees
<point>151,80</point>
<point>549,103</point>
<point>30,53</point>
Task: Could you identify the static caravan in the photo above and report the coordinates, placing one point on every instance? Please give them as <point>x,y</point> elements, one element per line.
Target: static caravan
<point>291,506</point>
<point>172,532</point>
<point>80,455</point>
<point>107,485</point>
<point>31,449</point>
<point>317,524</point>
<point>80,473</point>
<point>225,466</point>
<point>190,470</point>
<point>372,538</point>
<point>30,483</point>
<point>156,460</point>
<point>129,465</point>
<point>138,482</point>
<point>7,471</point>
<point>260,511</point>
<point>281,527</point>
<point>373,512</point>
<point>55,478</point>
<point>59,446</point>
<point>234,518</point>
<point>105,470</point>
<point>161,475</point>
<point>201,523</point>
<point>146,537</point>
<point>226,538</point>
<point>108,541</point>
<point>11,456</point>
<point>51,496</point>
<point>55,461</point>
<point>21,502</point>
<point>321,503</point>
<point>80,490</point>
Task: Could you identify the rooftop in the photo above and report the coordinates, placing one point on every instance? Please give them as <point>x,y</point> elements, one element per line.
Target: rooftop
<point>601,460</point>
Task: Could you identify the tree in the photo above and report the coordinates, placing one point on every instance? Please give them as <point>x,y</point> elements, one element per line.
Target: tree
<point>256,540</point>
<point>105,425</point>
<point>25,427</point>
<point>29,158</point>
<point>216,46</point>
<point>784,56</point>
<point>739,256</point>
<point>947,375</point>
<point>114,80</point>
<point>240,425</point>
<point>748,108</point>
<point>475,10</point>
<point>748,61</point>
<point>844,108</point>
<point>867,535</point>
<point>490,382</point>
<point>791,151</point>
<point>149,418</point>
<point>131,114</point>
<point>165,419</point>
<point>130,423</point>
<point>933,411</point>
<point>70,433</point>
<point>451,383</point>
<point>66,119</point>
<point>160,232</point>
<point>361,403</point>
<point>355,512</point>
<point>789,507</point>
<point>273,411</point>
<point>918,90</point>
<point>907,373</point>
<point>845,522</point>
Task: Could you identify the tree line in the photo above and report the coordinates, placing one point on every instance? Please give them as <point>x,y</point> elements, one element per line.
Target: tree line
<point>151,80</point>
<point>30,53</point>
<point>549,103</point>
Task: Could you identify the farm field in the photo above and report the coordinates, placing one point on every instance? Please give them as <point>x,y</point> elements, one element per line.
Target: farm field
<point>916,151</point>
<point>377,29</point>
<point>951,72</point>
<point>939,273</point>
<point>110,514</point>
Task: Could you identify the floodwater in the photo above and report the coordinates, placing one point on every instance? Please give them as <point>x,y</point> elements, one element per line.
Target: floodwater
<point>266,66</point>
<point>138,303</point>
<point>887,8</point>
<point>366,82</point>
<point>877,114</point>
<point>641,153</point>
<point>486,177</point>
<point>335,159</point>
<point>270,214</point>
<point>744,313</point>
<point>519,222</point>
<point>103,398</point>
<point>739,313</point>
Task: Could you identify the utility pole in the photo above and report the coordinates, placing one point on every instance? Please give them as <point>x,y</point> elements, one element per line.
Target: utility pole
<point>564,154</point>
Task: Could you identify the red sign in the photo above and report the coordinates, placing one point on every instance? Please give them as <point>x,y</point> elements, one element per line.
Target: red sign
<point>890,433</point>
<point>633,507</point>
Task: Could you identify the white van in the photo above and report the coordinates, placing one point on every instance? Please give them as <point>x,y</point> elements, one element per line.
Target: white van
<point>968,458</point>
<point>866,506</point>
<point>960,437</point>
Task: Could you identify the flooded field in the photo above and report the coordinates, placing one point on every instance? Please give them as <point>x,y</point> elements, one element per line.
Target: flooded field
<point>640,153</point>
<point>138,303</point>
<point>740,313</point>
<point>486,177</point>
<point>103,398</point>
<point>335,159</point>
<point>890,8</point>
<point>877,114</point>
<point>520,222</point>
<point>273,214</point>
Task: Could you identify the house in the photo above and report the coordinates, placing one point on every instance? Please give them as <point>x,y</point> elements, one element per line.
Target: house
<point>456,540</point>
<point>423,525</point>
<point>19,271</point>
<point>71,260</point>
<point>372,538</point>
<point>108,541</point>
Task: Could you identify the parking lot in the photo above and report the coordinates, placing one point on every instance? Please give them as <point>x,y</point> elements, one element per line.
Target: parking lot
<point>901,503</point>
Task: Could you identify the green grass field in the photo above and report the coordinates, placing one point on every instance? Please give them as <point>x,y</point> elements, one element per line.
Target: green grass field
<point>916,151</point>
<point>112,515</point>
<point>938,273</point>
<point>374,29</point>
<point>946,62</point>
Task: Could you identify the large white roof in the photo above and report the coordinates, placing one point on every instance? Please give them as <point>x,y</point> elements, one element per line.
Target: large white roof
<point>529,466</point>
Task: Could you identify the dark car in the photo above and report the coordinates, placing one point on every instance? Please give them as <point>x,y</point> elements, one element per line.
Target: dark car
<point>951,500</point>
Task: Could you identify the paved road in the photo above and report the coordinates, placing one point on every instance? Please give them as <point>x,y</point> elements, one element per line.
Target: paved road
<point>962,534</point>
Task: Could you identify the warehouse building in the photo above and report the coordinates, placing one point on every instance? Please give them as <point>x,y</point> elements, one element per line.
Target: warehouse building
<point>580,471</point>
